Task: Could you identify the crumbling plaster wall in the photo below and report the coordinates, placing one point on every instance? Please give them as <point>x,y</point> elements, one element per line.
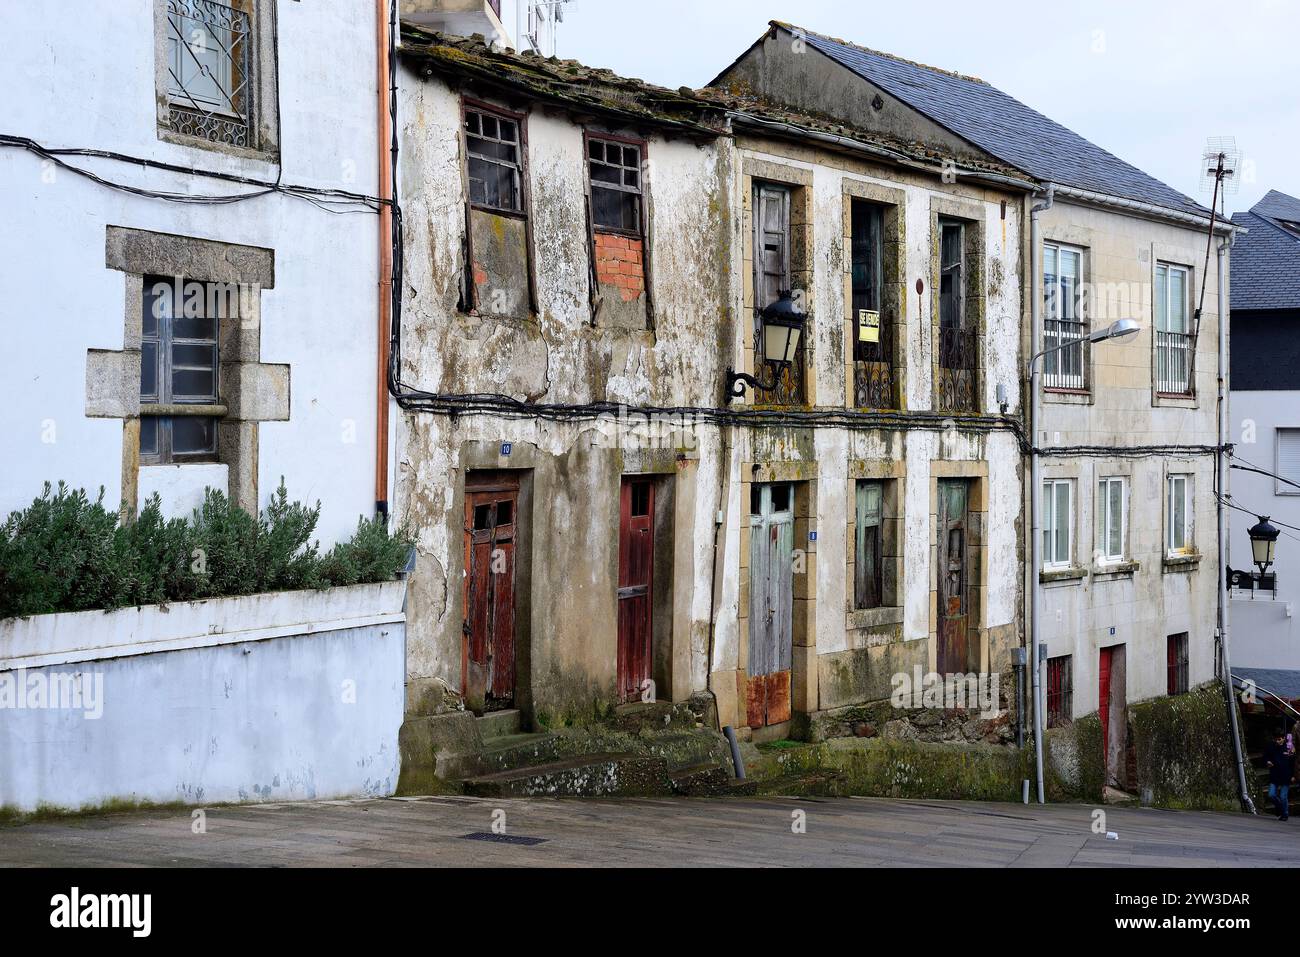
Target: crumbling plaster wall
<point>558,355</point>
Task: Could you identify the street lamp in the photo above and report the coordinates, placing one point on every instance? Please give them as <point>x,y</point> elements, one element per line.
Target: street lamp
<point>782,328</point>
<point>1263,545</point>
<point>1118,331</point>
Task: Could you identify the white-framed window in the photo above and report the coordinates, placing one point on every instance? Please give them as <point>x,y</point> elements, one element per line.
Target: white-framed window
<point>1175,338</point>
<point>1063,322</point>
<point>1178,517</point>
<point>1112,518</point>
<point>1058,522</point>
<point>1288,461</point>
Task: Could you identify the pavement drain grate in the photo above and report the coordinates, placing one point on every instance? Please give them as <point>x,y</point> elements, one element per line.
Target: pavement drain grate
<point>503,838</point>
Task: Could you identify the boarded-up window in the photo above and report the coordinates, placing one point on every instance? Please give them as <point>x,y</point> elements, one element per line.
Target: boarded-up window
<point>868,579</point>
<point>771,243</point>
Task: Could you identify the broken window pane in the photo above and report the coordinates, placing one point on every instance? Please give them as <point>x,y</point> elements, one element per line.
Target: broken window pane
<point>492,145</point>
<point>615,175</point>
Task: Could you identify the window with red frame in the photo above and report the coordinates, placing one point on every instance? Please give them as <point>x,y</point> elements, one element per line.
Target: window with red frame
<point>1060,691</point>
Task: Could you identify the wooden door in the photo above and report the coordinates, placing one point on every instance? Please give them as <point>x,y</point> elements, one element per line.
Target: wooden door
<point>953,653</point>
<point>636,549</point>
<point>771,604</point>
<point>1112,708</point>
<point>1103,696</point>
<point>488,655</point>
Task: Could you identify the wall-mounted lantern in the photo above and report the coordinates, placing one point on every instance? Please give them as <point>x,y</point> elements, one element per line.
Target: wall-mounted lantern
<point>782,328</point>
<point>1263,547</point>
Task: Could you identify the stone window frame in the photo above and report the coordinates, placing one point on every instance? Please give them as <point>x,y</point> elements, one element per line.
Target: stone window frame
<point>468,293</point>
<point>975,300</point>
<point>264,109</point>
<point>893,281</point>
<point>883,622</point>
<point>799,180</point>
<point>249,390</point>
<point>977,566</point>
<point>803,659</point>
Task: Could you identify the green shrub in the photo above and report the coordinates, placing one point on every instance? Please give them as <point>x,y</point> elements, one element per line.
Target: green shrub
<point>67,553</point>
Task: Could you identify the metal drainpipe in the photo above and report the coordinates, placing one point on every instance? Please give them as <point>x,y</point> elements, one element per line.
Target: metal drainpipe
<point>1035,484</point>
<point>1221,465</point>
<point>384,132</point>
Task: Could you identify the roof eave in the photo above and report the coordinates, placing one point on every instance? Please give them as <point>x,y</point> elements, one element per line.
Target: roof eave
<point>1142,208</point>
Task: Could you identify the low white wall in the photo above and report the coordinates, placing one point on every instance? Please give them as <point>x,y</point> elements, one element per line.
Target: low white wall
<point>256,714</point>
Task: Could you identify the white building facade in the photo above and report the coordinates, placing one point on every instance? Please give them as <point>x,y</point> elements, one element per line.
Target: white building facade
<point>242,140</point>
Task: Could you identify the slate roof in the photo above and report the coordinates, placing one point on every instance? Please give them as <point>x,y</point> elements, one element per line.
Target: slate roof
<point>1266,259</point>
<point>1002,125</point>
<point>1283,683</point>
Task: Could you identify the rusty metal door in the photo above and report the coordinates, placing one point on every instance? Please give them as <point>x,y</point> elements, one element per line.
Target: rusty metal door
<point>636,550</point>
<point>771,604</point>
<point>953,653</point>
<point>488,655</point>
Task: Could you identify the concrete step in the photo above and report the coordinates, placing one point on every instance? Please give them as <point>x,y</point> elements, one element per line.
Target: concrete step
<point>498,724</point>
<point>513,751</point>
<point>592,775</point>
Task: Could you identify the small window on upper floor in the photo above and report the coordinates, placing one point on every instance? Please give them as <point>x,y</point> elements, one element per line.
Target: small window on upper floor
<point>1058,523</point>
<point>615,171</point>
<point>1288,462</point>
<point>209,78</point>
<point>1064,330</point>
<point>494,161</point>
<point>179,370</point>
<point>1112,519</point>
<point>1175,337</point>
<point>1178,515</point>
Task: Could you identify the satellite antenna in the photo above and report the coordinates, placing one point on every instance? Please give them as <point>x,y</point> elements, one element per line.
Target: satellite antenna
<point>540,13</point>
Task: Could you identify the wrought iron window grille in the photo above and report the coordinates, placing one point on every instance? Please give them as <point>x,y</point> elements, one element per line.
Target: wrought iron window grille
<point>209,66</point>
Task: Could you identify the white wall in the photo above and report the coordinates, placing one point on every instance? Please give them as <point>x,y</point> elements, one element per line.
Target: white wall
<point>1264,632</point>
<point>83,76</point>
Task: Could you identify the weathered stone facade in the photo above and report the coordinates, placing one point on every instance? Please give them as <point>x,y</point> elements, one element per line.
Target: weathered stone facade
<point>593,374</point>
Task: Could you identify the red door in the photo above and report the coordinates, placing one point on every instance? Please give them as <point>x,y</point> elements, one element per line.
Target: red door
<point>488,655</point>
<point>636,548</point>
<point>1103,698</point>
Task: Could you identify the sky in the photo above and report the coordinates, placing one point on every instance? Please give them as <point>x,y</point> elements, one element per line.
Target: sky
<point>1149,81</point>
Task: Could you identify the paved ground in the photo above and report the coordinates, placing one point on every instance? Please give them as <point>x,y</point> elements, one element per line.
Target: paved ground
<point>657,832</point>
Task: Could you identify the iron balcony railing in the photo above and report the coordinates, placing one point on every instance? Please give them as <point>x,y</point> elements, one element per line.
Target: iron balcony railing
<point>1174,352</point>
<point>1067,366</point>
<point>875,380</point>
<point>958,356</point>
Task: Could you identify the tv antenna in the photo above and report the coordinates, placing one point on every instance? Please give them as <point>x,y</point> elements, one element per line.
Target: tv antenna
<point>1219,164</point>
<point>543,20</point>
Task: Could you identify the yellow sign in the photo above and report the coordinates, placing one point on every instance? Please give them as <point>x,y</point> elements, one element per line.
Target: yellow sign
<point>868,325</point>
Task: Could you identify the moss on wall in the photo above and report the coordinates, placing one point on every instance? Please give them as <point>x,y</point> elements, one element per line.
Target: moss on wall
<point>891,768</point>
<point>1184,750</point>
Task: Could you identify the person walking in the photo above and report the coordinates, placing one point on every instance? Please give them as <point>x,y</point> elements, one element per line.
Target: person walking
<point>1281,770</point>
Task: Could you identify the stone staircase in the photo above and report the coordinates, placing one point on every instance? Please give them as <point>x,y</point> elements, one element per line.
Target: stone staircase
<point>644,750</point>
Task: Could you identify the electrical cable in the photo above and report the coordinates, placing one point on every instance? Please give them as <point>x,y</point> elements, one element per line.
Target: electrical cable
<point>318,196</point>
